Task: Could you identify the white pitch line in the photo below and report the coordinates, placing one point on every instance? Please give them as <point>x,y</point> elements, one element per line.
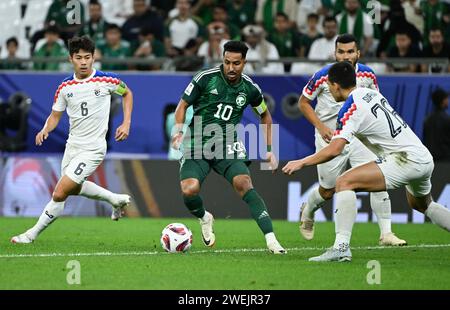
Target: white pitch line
<point>212,251</point>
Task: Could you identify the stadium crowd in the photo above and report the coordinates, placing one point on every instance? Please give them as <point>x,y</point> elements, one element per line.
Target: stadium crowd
<point>192,33</point>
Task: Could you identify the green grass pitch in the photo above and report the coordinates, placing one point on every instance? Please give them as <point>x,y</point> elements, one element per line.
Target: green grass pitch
<point>127,255</point>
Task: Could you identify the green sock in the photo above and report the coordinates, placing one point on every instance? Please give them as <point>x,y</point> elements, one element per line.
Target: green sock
<point>258,210</point>
<point>195,205</point>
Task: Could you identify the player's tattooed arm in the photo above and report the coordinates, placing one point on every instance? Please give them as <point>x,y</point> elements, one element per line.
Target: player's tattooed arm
<point>326,154</point>
<point>304,104</point>
<point>123,131</point>
<point>50,124</point>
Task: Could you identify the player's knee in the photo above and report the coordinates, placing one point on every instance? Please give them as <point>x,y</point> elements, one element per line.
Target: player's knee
<point>59,196</point>
<point>343,184</point>
<point>190,188</point>
<point>242,184</point>
<point>326,193</point>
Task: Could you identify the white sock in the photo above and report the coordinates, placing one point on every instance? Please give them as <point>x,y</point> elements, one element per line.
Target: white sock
<point>439,215</point>
<point>270,238</point>
<point>345,216</point>
<point>381,206</point>
<point>315,202</point>
<point>51,211</point>
<point>93,191</point>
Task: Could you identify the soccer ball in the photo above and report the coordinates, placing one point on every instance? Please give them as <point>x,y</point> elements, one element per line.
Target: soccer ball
<point>176,237</point>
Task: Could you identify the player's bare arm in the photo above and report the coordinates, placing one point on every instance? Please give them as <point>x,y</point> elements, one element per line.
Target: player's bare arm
<point>177,131</point>
<point>123,131</point>
<point>305,107</point>
<point>266,119</point>
<point>326,154</point>
<point>50,125</point>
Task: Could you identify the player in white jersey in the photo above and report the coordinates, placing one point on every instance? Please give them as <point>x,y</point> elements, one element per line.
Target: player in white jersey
<point>324,120</point>
<point>86,96</point>
<point>403,159</point>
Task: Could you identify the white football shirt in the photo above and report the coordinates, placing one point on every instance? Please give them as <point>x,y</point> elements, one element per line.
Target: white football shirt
<point>88,104</point>
<point>367,115</point>
<point>327,108</point>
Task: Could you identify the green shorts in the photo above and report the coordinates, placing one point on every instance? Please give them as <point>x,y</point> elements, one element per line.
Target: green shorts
<point>200,168</point>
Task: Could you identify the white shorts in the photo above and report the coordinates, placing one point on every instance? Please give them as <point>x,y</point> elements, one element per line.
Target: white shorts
<point>79,164</point>
<point>354,154</point>
<point>399,172</point>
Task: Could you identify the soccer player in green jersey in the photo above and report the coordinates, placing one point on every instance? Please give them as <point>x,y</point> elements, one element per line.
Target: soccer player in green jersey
<point>219,97</point>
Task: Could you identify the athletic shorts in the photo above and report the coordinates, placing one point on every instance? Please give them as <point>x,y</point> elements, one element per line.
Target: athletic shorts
<point>200,168</point>
<point>79,164</point>
<point>354,154</point>
<point>399,172</point>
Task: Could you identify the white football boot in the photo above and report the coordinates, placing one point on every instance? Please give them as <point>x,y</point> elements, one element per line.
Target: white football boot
<point>391,239</point>
<point>208,236</point>
<point>333,255</point>
<point>306,225</point>
<point>276,248</point>
<point>22,238</point>
<point>121,201</point>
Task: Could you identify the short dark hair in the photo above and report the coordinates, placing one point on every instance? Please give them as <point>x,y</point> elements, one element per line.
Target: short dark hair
<point>438,96</point>
<point>12,40</point>
<point>342,73</point>
<point>113,27</point>
<point>236,47</point>
<point>437,28</point>
<point>282,14</point>
<point>346,38</point>
<point>329,19</point>
<point>95,2</point>
<point>81,43</point>
<point>312,15</point>
<point>403,32</point>
<point>52,29</point>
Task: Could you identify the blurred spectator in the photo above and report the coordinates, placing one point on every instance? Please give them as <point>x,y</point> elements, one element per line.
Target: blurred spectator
<point>117,11</point>
<point>413,13</point>
<point>220,14</point>
<point>149,47</point>
<point>354,21</point>
<point>312,33</point>
<point>113,47</point>
<point>143,17</point>
<point>163,7</point>
<point>436,48</point>
<point>305,9</point>
<point>64,15</point>
<point>436,129</point>
<point>285,38</point>
<point>50,46</point>
<point>323,48</point>
<point>12,46</point>
<point>260,50</point>
<point>212,50</point>
<point>396,21</point>
<point>435,14</point>
<point>181,29</point>
<point>403,49</point>
<point>204,10</point>
<point>96,26</point>
<point>241,12</point>
<point>267,9</point>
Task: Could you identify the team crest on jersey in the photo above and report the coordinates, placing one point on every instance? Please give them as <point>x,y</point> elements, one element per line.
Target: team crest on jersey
<point>97,92</point>
<point>241,99</point>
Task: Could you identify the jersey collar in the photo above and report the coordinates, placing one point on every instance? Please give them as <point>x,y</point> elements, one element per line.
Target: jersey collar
<point>86,79</point>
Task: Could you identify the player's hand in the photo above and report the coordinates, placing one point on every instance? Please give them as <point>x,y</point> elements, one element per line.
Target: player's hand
<point>292,166</point>
<point>122,132</point>
<point>41,136</point>
<point>326,133</point>
<point>272,161</point>
<point>177,139</point>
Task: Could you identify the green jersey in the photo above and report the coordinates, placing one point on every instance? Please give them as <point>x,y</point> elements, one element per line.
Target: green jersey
<point>218,108</point>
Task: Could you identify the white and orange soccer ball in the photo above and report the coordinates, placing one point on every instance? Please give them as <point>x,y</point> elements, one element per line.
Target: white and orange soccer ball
<point>176,237</point>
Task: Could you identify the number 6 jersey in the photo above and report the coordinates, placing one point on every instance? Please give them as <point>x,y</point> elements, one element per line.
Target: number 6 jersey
<point>88,104</point>
<point>367,115</point>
